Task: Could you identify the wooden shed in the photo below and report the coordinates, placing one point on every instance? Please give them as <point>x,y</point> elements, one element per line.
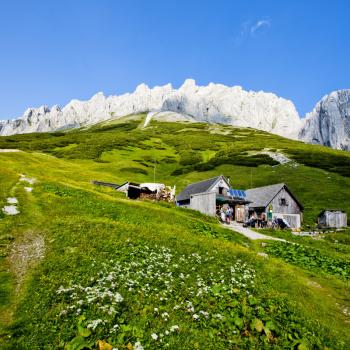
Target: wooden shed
<point>333,218</point>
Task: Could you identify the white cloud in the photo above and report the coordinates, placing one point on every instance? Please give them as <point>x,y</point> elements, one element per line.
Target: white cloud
<point>259,24</point>
<point>249,29</point>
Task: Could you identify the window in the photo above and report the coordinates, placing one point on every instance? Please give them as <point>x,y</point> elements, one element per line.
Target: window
<point>283,201</point>
<point>221,190</point>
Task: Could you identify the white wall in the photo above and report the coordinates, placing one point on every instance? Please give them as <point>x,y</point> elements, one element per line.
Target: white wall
<point>204,202</point>
<point>291,206</point>
<point>294,220</point>
<point>220,183</point>
<point>336,219</point>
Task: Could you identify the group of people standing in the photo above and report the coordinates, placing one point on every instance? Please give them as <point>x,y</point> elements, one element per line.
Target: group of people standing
<point>226,213</point>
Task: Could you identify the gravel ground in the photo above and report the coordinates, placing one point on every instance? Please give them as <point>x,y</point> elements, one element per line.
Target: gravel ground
<point>245,231</point>
<point>25,253</point>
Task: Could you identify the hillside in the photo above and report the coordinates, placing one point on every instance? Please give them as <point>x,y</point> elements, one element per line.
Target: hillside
<point>81,264</point>
<point>122,150</point>
<point>326,125</point>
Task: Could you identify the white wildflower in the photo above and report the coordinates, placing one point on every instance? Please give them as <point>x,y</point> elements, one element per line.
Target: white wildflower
<point>165,315</point>
<point>204,313</point>
<point>63,313</point>
<point>174,328</point>
<point>219,316</point>
<point>138,346</point>
<point>118,298</point>
<point>93,324</point>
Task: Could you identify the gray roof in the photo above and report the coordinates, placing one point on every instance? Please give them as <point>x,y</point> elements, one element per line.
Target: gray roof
<point>197,187</point>
<point>262,196</point>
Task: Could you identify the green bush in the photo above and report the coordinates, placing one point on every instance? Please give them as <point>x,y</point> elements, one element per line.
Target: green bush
<point>190,158</point>
<point>134,170</point>
<point>310,259</point>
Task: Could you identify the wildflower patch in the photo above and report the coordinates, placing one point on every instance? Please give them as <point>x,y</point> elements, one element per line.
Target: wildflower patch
<point>155,297</point>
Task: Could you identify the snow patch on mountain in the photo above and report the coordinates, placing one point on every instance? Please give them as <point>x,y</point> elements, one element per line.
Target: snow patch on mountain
<point>168,117</point>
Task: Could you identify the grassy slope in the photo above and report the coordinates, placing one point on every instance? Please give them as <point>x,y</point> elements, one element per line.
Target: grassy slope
<point>123,151</point>
<point>81,223</point>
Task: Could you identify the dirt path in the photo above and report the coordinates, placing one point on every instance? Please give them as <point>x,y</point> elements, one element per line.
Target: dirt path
<point>247,232</point>
<point>25,254</point>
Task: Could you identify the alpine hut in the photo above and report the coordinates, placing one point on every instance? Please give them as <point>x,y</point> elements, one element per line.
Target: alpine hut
<point>206,196</point>
<point>275,201</point>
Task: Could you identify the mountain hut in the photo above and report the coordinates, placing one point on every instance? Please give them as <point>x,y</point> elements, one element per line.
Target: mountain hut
<point>275,201</point>
<point>208,195</point>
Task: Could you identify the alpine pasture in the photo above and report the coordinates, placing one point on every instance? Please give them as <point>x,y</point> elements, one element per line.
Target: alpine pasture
<point>83,267</point>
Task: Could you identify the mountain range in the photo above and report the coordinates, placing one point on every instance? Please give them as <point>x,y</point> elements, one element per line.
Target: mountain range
<point>328,124</point>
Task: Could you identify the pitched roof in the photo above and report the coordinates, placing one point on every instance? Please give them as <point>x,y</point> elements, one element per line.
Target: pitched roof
<point>262,196</point>
<point>198,187</point>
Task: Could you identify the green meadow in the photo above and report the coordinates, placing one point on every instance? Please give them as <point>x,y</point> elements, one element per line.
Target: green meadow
<point>83,267</point>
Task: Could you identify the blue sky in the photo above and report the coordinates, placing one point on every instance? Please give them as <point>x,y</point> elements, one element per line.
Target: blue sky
<point>54,51</point>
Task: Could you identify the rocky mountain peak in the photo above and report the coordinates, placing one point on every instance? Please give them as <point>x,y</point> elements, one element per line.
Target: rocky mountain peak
<point>329,122</point>
<point>214,103</point>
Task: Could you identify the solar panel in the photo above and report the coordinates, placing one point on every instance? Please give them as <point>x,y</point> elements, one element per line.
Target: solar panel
<point>237,193</point>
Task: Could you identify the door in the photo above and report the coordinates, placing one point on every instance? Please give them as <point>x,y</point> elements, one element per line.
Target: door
<point>239,213</point>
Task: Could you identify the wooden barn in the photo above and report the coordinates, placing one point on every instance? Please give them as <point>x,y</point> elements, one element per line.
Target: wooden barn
<point>206,196</point>
<point>275,201</point>
<point>330,218</point>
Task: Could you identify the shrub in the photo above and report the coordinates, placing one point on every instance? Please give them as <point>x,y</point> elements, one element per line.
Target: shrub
<point>134,170</point>
<point>190,158</point>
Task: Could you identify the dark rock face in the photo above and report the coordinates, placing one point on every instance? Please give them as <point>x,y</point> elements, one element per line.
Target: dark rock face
<point>329,123</point>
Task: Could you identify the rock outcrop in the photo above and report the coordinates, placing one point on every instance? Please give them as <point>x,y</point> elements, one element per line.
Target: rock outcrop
<point>329,123</point>
<point>214,103</point>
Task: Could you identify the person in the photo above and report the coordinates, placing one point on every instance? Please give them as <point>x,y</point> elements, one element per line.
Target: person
<point>223,214</point>
<point>252,220</point>
<point>263,222</point>
<point>228,214</point>
<point>274,223</point>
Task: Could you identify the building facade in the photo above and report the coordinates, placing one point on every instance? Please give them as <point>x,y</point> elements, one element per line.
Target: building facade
<point>209,195</point>
<point>331,218</point>
<point>275,201</point>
